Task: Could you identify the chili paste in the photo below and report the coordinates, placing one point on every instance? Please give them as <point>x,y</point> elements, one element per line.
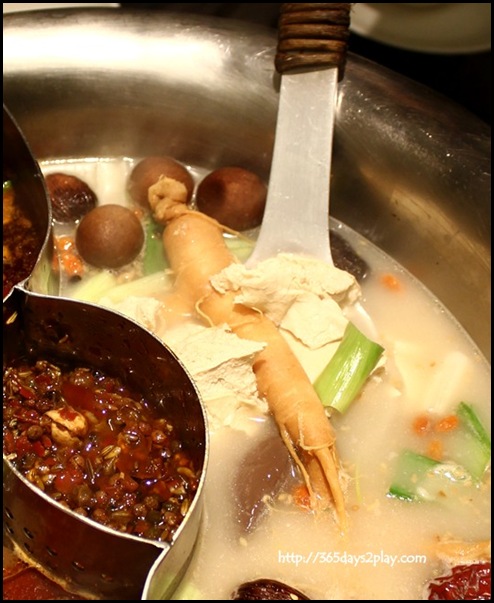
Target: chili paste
<point>87,441</point>
<point>20,242</point>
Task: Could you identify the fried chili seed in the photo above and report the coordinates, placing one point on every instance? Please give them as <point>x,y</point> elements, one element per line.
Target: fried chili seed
<point>184,507</point>
<point>83,438</point>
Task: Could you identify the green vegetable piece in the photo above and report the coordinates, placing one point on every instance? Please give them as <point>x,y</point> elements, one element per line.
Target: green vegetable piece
<point>92,288</point>
<point>154,253</point>
<point>421,478</point>
<point>7,185</point>
<point>345,374</point>
<point>469,418</point>
<point>418,477</point>
<point>241,247</point>
<point>187,592</point>
<point>470,445</point>
<point>411,470</point>
<point>146,286</point>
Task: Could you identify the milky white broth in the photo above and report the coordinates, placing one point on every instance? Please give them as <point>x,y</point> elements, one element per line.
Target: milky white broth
<point>388,552</point>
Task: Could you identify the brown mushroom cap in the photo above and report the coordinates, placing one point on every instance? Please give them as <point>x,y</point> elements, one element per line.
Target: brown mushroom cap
<point>147,172</point>
<point>234,196</point>
<point>109,236</point>
<point>71,198</point>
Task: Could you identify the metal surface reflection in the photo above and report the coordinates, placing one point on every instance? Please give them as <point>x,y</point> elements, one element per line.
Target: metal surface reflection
<point>203,90</point>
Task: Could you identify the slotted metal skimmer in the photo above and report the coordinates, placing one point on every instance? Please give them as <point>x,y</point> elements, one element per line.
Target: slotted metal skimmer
<point>86,557</point>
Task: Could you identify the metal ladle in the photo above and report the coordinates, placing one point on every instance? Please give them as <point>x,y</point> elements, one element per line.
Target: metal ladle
<point>311,55</point>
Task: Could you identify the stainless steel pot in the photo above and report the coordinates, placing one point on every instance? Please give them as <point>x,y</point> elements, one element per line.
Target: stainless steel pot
<point>411,170</point>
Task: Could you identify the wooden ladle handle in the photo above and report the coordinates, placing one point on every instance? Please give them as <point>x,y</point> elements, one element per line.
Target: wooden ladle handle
<point>313,36</point>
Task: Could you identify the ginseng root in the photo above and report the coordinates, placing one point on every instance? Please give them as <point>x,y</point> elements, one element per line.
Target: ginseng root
<point>196,251</point>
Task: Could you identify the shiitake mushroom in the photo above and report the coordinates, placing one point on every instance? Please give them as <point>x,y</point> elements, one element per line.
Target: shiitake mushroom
<point>109,236</point>
<point>345,257</point>
<point>71,198</point>
<point>147,173</point>
<point>263,472</point>
<point>234,196</point>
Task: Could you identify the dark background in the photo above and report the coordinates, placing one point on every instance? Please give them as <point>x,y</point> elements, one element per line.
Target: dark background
<point>463,78</point>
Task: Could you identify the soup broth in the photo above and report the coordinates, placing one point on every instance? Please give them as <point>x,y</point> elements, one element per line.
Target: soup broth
<point>393,547</point>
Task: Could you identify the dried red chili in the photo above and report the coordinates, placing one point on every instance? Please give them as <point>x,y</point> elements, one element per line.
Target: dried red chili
<point>92,445</point>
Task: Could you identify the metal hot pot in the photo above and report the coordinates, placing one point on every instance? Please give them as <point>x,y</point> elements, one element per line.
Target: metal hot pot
<point>411,170</point>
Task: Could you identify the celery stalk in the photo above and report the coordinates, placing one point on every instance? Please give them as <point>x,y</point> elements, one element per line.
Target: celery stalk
<point>146,286</point>
<point>347,371</point>
<point>469,418</point>
<point>154,254</point>
<point>240,247</point>
<point>470,444</point>
<point>92,288</point>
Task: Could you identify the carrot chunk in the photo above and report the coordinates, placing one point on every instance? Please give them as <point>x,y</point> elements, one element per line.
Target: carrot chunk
<point>391,282</point>
<point>447,424</point>
<point>421,425</point>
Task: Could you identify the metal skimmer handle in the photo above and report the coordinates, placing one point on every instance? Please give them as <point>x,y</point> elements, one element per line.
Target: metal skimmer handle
<point>313,35</point>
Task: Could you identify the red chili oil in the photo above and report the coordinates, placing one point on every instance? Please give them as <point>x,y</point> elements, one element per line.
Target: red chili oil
<point>95,447</point>
<point>21,582</point>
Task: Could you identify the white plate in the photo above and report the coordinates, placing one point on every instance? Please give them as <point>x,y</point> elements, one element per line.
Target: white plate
<point>440,28</point>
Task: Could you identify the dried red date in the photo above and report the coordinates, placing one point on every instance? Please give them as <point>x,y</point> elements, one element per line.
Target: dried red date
<point>265,589</point>
<point>463,583</point>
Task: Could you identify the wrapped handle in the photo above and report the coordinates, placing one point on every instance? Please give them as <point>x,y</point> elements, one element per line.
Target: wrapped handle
<point>313,36</point>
